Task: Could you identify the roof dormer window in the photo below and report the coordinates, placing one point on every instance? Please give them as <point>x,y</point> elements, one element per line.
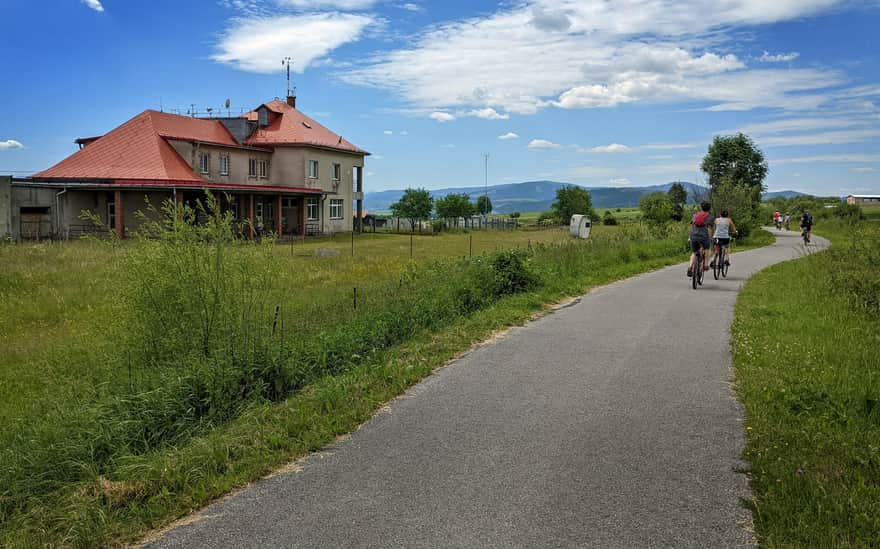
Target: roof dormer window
<point>263,116</point>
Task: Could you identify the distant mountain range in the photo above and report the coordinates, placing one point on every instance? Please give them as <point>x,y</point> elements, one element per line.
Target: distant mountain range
<point>537,196</point>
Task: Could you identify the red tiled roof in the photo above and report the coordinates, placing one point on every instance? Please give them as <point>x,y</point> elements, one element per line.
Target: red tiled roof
<point>291,127</point>
<point>138,150</point>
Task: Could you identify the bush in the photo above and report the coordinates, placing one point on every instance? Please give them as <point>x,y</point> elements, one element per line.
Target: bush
<point>847,212</point>
<point>853,270</point>
<point>509,273</point>
<point>608,218</point>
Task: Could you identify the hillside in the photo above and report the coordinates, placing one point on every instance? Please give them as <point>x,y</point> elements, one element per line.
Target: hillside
<point>533,196</point>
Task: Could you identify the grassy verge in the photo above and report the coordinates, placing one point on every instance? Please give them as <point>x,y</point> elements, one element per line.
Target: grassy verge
<point>805,344</point>
<point>89,482</point>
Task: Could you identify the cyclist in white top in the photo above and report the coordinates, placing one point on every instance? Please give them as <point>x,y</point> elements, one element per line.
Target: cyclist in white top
<point>723,227</point>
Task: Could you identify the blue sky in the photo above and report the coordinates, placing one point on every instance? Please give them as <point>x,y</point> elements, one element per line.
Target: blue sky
<point>595,92</point>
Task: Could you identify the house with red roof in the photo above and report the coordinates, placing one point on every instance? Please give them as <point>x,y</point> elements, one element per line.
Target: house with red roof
<point>275,168</point>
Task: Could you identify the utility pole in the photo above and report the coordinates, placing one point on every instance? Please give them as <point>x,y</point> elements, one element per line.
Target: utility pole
<point>486,171</point>
<point>286,62</point>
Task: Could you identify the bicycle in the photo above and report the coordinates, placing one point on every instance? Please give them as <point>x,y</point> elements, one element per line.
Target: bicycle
<point>720,265</point>
<point>697,271</point>
<point>805,233</point>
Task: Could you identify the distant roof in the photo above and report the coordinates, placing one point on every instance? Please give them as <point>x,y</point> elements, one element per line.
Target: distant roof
<point>865,195</point>
<point>292,127</point>
<point>138,150</point>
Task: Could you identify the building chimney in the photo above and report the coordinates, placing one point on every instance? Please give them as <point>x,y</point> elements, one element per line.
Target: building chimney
<point>291,100</point>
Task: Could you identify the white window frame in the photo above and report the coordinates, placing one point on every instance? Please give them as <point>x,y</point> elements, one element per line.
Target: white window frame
<point>205,163</point>
<point>312,210</point>
<point>224,164</point>
<point>263,168</point>
<point>313,169</point>
<point>337,171</point>
<point>252,167</point>
<point>336,204</point>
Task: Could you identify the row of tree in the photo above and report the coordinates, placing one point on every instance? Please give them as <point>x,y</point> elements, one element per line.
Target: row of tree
<point>418,205</point>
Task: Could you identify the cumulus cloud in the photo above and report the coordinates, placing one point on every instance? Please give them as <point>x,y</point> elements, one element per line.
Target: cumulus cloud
<point>779,57</point>
<point>488,114</point>
<point>257,44</point>
<point>620,181</point>
<point>543,144</point>
<point>594,54</point>
<point>409,6</point>
<point>388,132</point>
<point>94,4</point>
<point>612,148</point>
<point>440,116</point>
<point>10,144</point>
<point>508,135</point>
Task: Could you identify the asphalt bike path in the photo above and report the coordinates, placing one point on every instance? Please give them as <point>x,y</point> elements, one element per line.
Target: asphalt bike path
<point>611,422</point>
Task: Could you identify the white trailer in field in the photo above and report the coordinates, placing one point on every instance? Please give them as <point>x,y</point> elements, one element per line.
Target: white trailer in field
<point>580,226</point>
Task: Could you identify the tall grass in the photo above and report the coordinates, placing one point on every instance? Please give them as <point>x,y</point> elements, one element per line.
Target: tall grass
<point>201,330</point>
<point>805,349</point>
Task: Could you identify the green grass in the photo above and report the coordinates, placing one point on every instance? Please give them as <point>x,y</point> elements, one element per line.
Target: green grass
<point>94,455</point>
<point>805,350</point>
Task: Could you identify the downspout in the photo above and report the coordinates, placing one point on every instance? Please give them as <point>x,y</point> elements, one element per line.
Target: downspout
<point>58,210</point>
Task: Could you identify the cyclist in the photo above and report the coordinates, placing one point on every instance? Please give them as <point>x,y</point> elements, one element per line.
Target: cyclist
<point>787,221</point>
<point>700,236</point>
<point>723,227</point>
<point>807,224</point>
<point>777,219</point>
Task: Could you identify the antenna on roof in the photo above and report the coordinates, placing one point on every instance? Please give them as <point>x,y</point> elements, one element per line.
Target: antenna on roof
<point>291,98</point>
<point>227,108</point>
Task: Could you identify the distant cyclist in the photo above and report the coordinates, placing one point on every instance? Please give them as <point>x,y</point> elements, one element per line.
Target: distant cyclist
<point>787,221</point>
<point>700,223</point>
<point>806,224</point>
<point>724,227</point>
<point>777,220</point>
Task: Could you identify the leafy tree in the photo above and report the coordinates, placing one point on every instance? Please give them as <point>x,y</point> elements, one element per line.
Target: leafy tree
<point>656,207</point>
<point>415,205</point>
<point>738,200</point>
<point>737,158</point>
<point>455,205</point>
<point>484,205</point>
<point>572,200</point>
<point>515,215</point>
<point>608,218</point>
<point>678,197</point>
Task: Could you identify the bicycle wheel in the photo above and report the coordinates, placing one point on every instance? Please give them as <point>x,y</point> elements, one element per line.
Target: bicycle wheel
<point>719,258</point>
<point>724,265</point>
<point>698,258</point>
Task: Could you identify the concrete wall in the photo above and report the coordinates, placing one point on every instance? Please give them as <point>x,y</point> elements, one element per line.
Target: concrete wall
<point>5,206</point>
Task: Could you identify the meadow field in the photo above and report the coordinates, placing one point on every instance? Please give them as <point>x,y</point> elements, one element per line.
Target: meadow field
<point>141,379</point>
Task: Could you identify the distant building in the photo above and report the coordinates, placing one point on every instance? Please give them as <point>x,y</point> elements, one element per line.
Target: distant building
<point>274,167</point>
<point>863,199</point>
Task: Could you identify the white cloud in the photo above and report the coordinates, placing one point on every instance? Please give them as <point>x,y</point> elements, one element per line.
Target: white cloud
<point>826,158</point>
<point>409,6</point>
<point>863,169</point>
<point>597,53</point>
<point>441,116</point>
<point>543,144</point>
<point>820,138</point>
<point>10,144</point>
<point>257,44</point>
<point>612,148</point>
<point>403,132</point>
<point>94,4</point>
<point>620,181</point>
<point>779,57</point>
<point>327,4</point>
<point>388,132</point>
<point>508,135</point>
<point>488,114</point>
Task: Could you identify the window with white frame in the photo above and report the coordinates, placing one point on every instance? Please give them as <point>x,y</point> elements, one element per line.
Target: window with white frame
<point>335,208</point>
<point>313,169</point>
<point>337,172</point>
<point>264,168</point>
<point>224,164</point>
<point>312,208</point>
<point>205,162</point>
<point>252,167</point>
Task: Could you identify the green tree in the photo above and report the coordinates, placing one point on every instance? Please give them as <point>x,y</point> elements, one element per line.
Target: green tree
<point>656,207</point>
<point>415,205</point>
<point>608,218</point>
<point>484,205</point>
<point>738,200</point>
<point>515,215</point>
<point>572,200</point>
<point>678,197</point>
<point>455,205</point>
<point>737,158</point>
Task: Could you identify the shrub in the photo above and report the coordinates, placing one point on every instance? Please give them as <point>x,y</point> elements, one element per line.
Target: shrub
<point>608,218</point>
<point>847,212</point>
<point>510,275</point>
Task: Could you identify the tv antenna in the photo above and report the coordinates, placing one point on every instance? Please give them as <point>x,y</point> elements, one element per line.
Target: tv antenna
<point>227,107</point>
<point>286,63</point>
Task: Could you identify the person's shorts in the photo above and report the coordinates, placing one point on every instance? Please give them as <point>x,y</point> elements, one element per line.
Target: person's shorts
<point>722,241</point>
<point>695,244</point>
